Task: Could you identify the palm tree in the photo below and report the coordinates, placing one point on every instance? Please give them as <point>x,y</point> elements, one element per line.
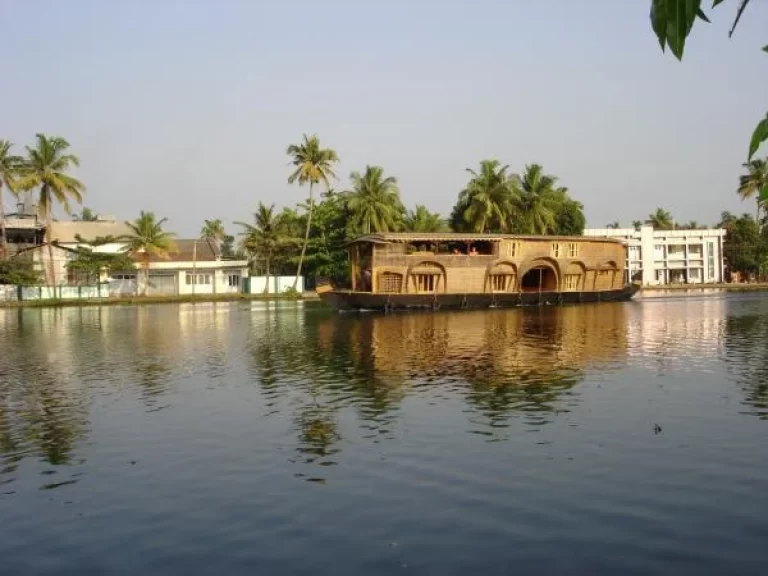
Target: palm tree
<point>374,201</point>
<point>613,226</point>
<point>9,170</point>
<point>537,210</point>
<point>422,220</point>
<point>213,230</point>
<point>488,202</point>
<point>148,239</point>
<point>637,224</point>
<point>313,165</point>
<point>755,183</point>
<point>661,220</point>
<point>265,237</point>
<point>46,167</point>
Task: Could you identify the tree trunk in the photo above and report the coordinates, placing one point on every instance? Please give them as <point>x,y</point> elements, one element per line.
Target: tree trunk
<point>306,237</point>
<point>146,274</point>
<point>266,285</point>
<point>51,281</point>
<point>3,240</point>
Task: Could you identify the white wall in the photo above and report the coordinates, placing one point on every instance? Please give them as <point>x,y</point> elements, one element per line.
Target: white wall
<point>277,284</point>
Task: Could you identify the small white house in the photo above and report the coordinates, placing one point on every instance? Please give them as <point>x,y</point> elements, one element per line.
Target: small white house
<point>195,266</point>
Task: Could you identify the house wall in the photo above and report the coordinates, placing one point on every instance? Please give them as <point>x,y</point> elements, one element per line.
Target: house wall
<point>277,284</point>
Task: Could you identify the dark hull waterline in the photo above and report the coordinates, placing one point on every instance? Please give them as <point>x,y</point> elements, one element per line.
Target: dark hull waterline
<point>359,301</point>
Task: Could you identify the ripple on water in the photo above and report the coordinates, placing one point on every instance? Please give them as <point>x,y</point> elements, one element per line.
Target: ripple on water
<point>232,437</point>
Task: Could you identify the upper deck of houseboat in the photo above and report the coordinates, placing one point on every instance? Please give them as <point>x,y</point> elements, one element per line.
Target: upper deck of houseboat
<point>454,263</point>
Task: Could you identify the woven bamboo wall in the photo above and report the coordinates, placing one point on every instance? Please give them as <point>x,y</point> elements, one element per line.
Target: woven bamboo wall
<point>578,264</point>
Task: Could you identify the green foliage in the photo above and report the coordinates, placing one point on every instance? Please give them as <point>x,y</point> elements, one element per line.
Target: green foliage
<point>213,230</point>
<point>147,239</point>
<point>46,168</point>
<point>88,264</point>
<point>86,215</point>
<point>228,247</point>
<point>10,168</point>
<point>19,272</point>
<point>754,184</point>
<point>488,201</point>
<point>267,238</point>
<point>569,215</point>
<point>745,248</point>
<point>661,220</point>
<point>312,165</point>
<point>374,201</point>
<point>494,201</point>
<point>422,220</point>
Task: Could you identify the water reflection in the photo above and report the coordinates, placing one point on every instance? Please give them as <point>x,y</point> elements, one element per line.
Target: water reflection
<point>334,380</point>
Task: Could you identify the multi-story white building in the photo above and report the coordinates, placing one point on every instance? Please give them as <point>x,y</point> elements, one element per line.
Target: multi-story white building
<point>657,257</point>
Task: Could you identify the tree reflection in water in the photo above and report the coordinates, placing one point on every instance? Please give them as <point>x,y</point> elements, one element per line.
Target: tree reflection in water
<point>502,363</point>
<point>746,344</point>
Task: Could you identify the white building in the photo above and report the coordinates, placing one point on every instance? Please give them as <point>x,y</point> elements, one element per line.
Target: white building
<point>657,257</point>
<point>194,266</point>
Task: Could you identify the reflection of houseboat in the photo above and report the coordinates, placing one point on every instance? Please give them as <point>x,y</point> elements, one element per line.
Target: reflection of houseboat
<point>395,271</point>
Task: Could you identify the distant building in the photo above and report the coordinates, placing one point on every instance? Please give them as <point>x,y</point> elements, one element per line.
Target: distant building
<point>658,257</point>
<point>194,267</point>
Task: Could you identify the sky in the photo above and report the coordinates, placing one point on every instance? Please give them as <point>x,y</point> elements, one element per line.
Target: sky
<point>186,107</point>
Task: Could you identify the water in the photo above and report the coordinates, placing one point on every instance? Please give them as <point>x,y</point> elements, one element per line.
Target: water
<point>285,439</point>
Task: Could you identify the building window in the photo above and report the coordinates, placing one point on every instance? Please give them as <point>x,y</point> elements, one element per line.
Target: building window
<point>197,279</point>
<point>390,282</point>
<point>513,249</point>
<point>123,276</point>
<point>556,250</point>
<point>711,260</point>
<point>233,280</point>
<point>572,281</point>
<point>425,282</point>
<point>676,251</point>
<point>573,250</point>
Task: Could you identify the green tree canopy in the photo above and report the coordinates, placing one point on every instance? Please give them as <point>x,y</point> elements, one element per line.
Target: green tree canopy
<point>754,184</point>
<point>10,167</point>
<point>147,239</point>
<point>266,237</point>
<point>422,220</point>
<point>374,201</point>
<point>312,164</point>
<point>661,220</point>
<point>538,203</point>
<point>487,204</point>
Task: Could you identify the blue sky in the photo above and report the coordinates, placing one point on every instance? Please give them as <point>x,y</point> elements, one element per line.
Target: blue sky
<point>186,107</point>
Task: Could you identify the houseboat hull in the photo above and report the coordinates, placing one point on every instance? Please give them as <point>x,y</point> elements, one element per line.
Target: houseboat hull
<point>359,301</point>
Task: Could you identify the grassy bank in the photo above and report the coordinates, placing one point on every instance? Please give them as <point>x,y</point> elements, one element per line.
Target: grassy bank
<point>131,300</point>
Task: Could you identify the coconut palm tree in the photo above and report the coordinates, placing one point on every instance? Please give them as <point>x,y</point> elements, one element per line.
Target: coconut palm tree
<point>613,226</point>
<point>46,168</point>
<point>661,220</point>
<point>265,237</point>
<point>148,239</point>
<point>213,230</point>
<point>536,205</point>
<point>637,224</point>
<point>755,183</point>
<point>9,170</point>
<point>422,220</point>
<point>488,202</point>
<point>374,201</point>
<point>312,165</point>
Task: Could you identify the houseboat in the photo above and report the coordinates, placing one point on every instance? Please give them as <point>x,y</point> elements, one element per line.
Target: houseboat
<point>393,271</point>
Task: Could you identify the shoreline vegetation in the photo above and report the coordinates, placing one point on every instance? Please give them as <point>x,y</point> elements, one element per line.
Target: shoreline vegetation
<point>311,238</point>
<point>657,291</point>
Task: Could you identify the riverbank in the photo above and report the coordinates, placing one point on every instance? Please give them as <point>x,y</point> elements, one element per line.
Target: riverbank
<point>707,288</point>
<point>130,300</point>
